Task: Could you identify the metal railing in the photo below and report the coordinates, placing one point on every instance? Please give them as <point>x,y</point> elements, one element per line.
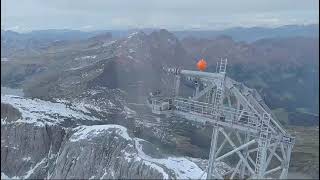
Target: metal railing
<point>229,115</point>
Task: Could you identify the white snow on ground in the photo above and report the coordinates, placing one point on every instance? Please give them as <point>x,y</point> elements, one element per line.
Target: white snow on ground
<point>103,105</point>
<point>172,41</point>
<point>108,43</point>
<point>38,112</point>
<point>132,34</point>
<point>4,176</point>
<point>77,68</point>
<point>182,167</point>
<point>26,158</point>
<point>4,59</point>
<point>94,92</point>
<point>88,132</point>
<point>85,57</point>
<point>30,172</point>
<point>79,105</point>
<point>155,166</point>
<point>89,106</point>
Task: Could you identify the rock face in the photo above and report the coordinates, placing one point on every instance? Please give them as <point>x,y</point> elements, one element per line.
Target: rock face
<point>39,144</point>
<point>26,149</point>
<point>107,151</point>
<point>99,152</point>
<point>133,63</point>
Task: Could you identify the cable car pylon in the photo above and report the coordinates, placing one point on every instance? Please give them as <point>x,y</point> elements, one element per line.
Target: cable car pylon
<point>245,133</point>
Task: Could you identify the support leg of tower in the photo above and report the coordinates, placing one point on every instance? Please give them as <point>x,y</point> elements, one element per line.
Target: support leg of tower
<point>261,159</point>
<point>286,162</point>
<point>245,154</point>
<point>212,173</point>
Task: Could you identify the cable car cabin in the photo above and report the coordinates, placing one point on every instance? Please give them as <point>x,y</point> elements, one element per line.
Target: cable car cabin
<point>161,106</point>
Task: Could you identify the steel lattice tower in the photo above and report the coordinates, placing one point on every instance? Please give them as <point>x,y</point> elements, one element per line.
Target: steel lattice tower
<point>239,118</point>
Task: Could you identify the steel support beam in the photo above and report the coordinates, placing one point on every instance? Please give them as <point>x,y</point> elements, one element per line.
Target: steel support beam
<point>212,173</point>
<point>243,117</point>
<point>236,169</point>
<point>246,154</point>
<point>236,149</point>
<point>285,165</point>
<point>203,92</point>
<point>240,155</point>
<point>239,138</point>
<point>223,143</point>
<point>273,151</point>
<point>273,170</point>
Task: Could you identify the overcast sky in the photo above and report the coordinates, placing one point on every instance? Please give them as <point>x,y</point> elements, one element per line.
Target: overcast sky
<point>26,15</point>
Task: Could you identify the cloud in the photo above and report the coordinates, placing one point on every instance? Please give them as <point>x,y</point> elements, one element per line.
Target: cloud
<point>87,27</point>
<point>178,14</point>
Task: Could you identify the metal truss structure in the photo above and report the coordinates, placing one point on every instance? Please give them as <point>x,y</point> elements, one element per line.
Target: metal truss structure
<point>245,133</point>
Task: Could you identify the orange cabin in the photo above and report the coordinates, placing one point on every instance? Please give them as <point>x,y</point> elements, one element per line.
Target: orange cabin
<point>202,65</point>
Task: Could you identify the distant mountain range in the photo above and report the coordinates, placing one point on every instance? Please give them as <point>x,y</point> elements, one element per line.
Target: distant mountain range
<point>73,78</point>
<point>50,63</point>
<point>11,41</point>
<point>255,33</point>
<point>237,33</point>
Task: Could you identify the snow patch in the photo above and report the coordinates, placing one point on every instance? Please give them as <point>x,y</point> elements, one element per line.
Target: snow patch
<point>108,43</point>
<point>88,132</point>
<point>39,112</point>
<point>183,168</point>
<point>132,34</point>
<point>158,168</point>
<point>85,57</point>
<point>30,172</point>
<point>26,158</point>
<point>4,59</point>
<point>4,176</point>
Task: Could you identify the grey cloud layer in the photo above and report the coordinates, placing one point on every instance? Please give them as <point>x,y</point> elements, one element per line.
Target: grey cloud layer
<point>175,14</point>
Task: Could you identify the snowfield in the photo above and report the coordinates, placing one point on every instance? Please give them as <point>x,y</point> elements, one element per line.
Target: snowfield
<point>41,112</point>
<point>85,57</point>
<point>181,167</point>
<point>87,132</point>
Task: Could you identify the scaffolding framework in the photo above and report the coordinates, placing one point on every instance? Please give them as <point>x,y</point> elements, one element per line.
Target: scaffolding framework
<point>260,147</point>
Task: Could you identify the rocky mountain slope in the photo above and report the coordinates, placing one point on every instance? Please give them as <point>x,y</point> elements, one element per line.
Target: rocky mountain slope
<point>283,70</point>
<point>129,64</point>
<point>41,139</point>
<point>102,80</point>
<point>13,43</point>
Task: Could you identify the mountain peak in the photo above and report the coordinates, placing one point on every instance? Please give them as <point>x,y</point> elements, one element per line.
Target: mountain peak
<point>162,33</point>
<point>138,34</point>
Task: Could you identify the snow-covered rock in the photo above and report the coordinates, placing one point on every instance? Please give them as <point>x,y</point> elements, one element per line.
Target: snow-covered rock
<point>111,152</point>
<point>35,144</point>
<point>41,113</point>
